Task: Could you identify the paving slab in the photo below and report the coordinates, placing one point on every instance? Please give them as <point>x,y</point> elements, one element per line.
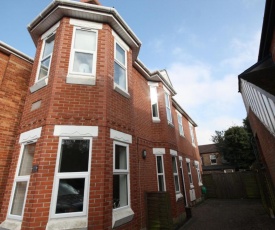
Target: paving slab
<point>216,214</point>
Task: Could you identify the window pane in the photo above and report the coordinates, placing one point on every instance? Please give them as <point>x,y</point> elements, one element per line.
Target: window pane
<point>83,62</point>
<point>120,157</point>
<point>18,199</point>
<point>48,49</point>
<point>176,183</point>
<point>44,67</point>
<point>120,76</point>
<point>85,40</point>
<point>74,156</point>
<point>159,163</point>
<point>70,195</point>
<point>174,165</point>
<point>120,54</point>
<point>161,183</point>
<point>120,191</point>
<point>26,162</point>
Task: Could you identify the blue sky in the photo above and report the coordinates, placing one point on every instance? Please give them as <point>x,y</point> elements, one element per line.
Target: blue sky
<point>204,45</point>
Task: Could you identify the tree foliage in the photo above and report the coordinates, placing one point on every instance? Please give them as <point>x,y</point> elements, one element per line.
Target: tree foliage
<point>235,145</point>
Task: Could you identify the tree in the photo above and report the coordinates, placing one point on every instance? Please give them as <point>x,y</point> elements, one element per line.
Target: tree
<point>235,145</point>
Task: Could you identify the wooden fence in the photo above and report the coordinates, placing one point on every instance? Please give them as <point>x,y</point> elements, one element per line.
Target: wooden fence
<point>235,185</point>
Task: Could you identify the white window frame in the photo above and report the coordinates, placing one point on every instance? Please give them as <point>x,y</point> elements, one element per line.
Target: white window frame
<point>79,77</point>
<point>123,171</point>
<point>71,175</point>
<point>160,174</point>
<point>191,128</point>
<point>25,139</point>
<point>174,155</point>
<point>213,157</point>
<point>180,124</point>
<point>197,166</point>
<point>153,95</point>
<point>189,171</point>
<point>124,214</point>
<point>118,41</point>
<point>168,106</point>
<point>40,83</point>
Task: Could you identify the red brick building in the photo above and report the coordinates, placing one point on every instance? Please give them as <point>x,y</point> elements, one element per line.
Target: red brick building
<point>257,86</point>
<point>97,130</point>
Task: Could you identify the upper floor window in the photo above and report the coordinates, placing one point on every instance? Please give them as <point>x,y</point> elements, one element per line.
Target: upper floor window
<point>168,107</point>
<point>154,101</point>
<point>180,124</point>
<point>84,52</point>
<point>46,58</point>
<point>213,159</point>
<point>191,128</point>
<point>120,68</point>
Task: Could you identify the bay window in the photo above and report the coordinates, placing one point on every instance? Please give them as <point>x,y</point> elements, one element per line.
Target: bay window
<point>180,124</point>
<point>72,177</point>
<point>154,101</point>
<point>120,77</point>
<point>46,57</point>
<point>175,174</point>
<point>189,172</point>
<point>168,107</point>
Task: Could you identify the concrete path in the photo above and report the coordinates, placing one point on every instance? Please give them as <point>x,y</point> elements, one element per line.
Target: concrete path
<point>214,214</point>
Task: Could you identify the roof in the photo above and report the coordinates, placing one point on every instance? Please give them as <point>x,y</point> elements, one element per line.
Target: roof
<point>10,50</point>
<point>217,167</point>
<point>267,29</point>
<point>210,148</point>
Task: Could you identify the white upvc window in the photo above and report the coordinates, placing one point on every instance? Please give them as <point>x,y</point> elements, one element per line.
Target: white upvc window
<point>160,173</point>
<point>189,172</point>
<point>122,212</point>
<point>22,176</point>
<point>191,128</point>
<point>83,59</point>
<point>168,106</point>
<point>197,166</point>
<point>71,184</point>
<point>175,174</point>
<point>181,132</point>
<point>46,57</point>
<point>121,177</point>
<point>154,101</point>
<point>213,159</point>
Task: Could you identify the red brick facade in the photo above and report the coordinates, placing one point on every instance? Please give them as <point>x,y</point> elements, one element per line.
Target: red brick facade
<point>103,107</point>
<point>15,72</point>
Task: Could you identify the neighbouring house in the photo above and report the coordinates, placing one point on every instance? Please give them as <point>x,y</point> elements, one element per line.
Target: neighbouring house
<point>257,86</point>
<point>88,133</point>
<point>213,161</point>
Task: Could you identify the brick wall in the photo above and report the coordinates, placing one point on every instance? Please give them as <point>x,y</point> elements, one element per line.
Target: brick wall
<point>14,79</point>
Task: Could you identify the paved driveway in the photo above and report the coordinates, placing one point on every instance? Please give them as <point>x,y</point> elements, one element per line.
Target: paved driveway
<point>214,214</point>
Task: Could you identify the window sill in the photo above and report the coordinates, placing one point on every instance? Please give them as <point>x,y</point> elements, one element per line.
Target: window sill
<point>11,224</point>
<point>178,196</point>
<point>38,85</point>
<point>156,120</point>
<point>121,91</point>
<point>191,186</point>
<point>122,216</point>
<point>171,124</point>
<point>80,223</point>
<point>80,79</point>
<point>200,184</point>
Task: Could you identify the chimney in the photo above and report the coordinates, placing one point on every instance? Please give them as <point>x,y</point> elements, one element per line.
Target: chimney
<point>95,2</point>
